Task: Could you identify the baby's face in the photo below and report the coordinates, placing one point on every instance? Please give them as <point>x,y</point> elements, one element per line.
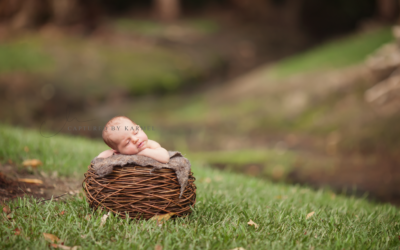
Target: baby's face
<point>129,138</point>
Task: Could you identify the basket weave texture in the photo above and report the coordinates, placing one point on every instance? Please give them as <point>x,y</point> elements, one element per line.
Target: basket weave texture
<point>134,191</point>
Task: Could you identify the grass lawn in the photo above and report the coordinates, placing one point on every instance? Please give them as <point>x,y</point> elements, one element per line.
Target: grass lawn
<point>335,53</point>
<point>225,203</point>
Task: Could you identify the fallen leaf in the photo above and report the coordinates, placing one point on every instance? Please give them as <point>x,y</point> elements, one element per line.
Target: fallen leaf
<point>158,247</point>
<point>32,181</point>
<point>310,214</point>
<point>17,231</point>
<point>252,223</point>
<point>51,237</point>
<point>104,219</point>
<point>62,212</point>
<point>33,163</point>
<point>64,247</point>
<point>162,217</point>
<point>6,209</point>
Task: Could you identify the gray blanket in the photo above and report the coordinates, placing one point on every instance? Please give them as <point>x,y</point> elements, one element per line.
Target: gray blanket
<point>181,165</point>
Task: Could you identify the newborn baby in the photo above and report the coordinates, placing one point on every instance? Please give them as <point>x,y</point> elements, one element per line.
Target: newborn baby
<point>126,137</point>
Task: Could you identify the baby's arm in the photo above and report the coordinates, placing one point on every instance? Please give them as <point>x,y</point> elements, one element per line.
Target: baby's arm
<point>106,153</point>
<point>156,152</point>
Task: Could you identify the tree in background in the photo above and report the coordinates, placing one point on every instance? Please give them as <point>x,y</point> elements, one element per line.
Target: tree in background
<point>167,10</point>
<point>388,10</point>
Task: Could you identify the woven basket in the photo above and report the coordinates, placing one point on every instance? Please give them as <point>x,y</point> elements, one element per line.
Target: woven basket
<point>132,190</point>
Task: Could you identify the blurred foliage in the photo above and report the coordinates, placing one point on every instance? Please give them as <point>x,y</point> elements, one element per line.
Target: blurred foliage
<point>24,56</point>
<point>270,163</point>
<point>160,29</point>
<point>137,68</point>
<point>336,53</point>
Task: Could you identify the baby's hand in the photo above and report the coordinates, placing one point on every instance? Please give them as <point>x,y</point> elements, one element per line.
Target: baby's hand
<point>106,153</point>
<point>156,152</point>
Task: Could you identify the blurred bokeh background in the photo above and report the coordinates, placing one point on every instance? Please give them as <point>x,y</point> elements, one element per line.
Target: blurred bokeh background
<point>300,91</point>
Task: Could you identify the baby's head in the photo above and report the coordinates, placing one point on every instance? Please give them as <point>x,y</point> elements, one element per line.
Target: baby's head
<point>124,136</point>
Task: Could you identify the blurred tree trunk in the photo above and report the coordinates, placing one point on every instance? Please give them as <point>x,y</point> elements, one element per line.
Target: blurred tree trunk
<point>25,13</point>
<point>19,14</point>
<point>388,9</point>
<point>66,12</point>
<point>285,13</point>
<point>167,10</point>
<point>292,13</point>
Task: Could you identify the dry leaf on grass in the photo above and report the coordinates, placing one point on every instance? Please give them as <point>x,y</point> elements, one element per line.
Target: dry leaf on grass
<point>252,223</point>
<point>162,217</point>
<point>17,231</point>
<point>51,237</point>
<point>104,219</point>
<point>158,247</point>
<point>6,209</point>
<point>62,212</point>
<point>63,247</point>
<point>32,162</point>
<point>31,181</point>
<point>310,214</point>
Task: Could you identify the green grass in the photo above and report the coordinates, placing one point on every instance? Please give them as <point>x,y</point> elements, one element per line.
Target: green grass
<point>273,163</point>
<point>23,55</point>
<point>336,53</point>
<point>225,203</point>
<point>64,154</point>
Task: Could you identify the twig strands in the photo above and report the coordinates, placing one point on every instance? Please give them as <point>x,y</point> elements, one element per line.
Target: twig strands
<point>134,191</point>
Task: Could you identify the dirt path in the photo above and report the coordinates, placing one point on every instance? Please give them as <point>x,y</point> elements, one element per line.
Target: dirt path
<point>16,183</point>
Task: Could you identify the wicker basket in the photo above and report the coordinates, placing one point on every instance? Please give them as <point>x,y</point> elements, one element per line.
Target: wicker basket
<point>134,191</point>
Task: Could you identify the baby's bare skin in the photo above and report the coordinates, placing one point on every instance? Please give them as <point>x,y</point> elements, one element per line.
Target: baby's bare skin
<point>134,141</point>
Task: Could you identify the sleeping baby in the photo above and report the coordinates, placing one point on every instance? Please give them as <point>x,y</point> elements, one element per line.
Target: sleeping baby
<point>126,137</point>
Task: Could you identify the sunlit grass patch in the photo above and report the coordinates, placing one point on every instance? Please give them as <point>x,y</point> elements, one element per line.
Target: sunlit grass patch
<point>335,53</point>
<point>64,154</point>
<point>226,202</point>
